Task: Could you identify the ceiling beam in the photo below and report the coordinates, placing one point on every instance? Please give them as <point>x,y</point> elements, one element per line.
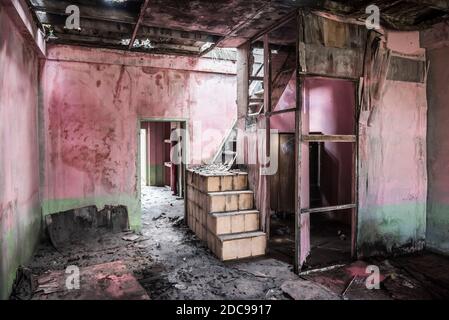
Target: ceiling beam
<point>92,27</point>
<point>139,21</point>
<point>442,5</point>
<point>93,41</point>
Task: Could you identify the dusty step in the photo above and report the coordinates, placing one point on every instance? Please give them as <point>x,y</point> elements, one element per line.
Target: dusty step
<point>218,182</point>
<point>238,246</point>
<point>230,201</point>
<point>233,222</point>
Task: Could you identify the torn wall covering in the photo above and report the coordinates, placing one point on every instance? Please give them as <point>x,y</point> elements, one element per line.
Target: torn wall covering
<point>20,215</point>
<point>436,41</point>
<point>92,101</point>
<point>392,159</point>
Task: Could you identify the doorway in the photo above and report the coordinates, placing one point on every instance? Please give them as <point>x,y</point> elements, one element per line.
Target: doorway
<point>162,152</point>
<point>327,167</point>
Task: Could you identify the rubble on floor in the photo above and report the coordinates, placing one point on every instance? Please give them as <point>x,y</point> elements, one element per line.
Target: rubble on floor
<point>307,290</point>
<point>213,169</point>
<point>170,262</point>
<point>108,281</point>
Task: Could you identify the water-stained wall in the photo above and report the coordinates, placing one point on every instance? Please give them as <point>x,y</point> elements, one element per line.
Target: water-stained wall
<point>392,184</point>
<point>92,101</point>
<point>19,156</point>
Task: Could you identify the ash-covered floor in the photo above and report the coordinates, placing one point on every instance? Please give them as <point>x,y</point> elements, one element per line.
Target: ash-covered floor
<point>169,262</point>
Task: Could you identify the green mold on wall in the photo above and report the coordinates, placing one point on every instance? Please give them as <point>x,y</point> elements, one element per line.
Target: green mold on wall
<point>391,229</point>
<point>17,246</point>
<point>438,227</point>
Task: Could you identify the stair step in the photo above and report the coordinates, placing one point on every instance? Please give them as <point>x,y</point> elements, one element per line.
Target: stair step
<point>230,201</point>
<point>218,182</point>
<point>233,222</point>
<point>239,246</point>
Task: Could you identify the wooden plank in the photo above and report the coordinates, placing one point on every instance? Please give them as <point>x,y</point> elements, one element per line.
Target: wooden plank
<point>286,172</point>
<point>275,187</point>
<point>139,21</point>
<point>269,114</point>
<point>267,83</point>
<point>336,62</point>
<point>328,209</point>
<point>298,147</point>
<point>408,70</point>
<point>242,85</point>
<point>330,138</point>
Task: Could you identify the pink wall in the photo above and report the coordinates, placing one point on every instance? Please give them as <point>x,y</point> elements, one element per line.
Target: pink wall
<point>20,216</point>
<point>392,164</point>
<point>92,109</point>
<point>285,122</point>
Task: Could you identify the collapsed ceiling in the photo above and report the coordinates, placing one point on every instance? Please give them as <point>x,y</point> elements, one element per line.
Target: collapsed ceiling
<point>194,27</point>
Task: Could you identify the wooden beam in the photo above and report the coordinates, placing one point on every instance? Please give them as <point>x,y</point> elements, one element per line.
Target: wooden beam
<point>329,138</point>
<point>243,53</point>
<point>442,5</point>
<point>328,209</point>
<point>94,27</point>
<point>89,27</point>
<point>267,107</point>
<point>269,114</point>
<point>92,41</point>
<point>139,21</point>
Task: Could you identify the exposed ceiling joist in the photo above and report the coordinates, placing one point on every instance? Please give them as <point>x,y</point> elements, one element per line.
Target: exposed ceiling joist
<point>198,26</point>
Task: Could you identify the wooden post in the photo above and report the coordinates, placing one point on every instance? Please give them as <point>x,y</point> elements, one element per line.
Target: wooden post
<point>302,221</point>
<point>243,53</point>
<point>267,106</point>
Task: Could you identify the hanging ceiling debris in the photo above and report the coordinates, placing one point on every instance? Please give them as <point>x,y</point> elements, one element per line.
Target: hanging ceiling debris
<point>195,27</point>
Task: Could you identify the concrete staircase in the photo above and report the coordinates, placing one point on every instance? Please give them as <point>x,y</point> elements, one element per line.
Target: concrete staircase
<point>220,211</point>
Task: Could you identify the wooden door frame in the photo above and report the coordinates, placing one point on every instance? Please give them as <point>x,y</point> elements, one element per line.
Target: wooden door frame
<point>184,124</point>
<point>301,139</point>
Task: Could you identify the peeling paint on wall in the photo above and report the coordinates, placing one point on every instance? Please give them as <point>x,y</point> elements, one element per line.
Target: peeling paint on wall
<point>392,173</point>
<point>91,113</point>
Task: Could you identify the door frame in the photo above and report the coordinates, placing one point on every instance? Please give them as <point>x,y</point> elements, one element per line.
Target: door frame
<point>302,139</point>
<point>186,155</point>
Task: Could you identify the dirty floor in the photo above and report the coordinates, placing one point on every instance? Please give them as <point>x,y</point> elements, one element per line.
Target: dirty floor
<point>169,262</point>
